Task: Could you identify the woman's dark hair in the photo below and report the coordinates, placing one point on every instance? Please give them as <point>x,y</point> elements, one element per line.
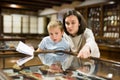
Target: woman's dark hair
<point>81,20</point>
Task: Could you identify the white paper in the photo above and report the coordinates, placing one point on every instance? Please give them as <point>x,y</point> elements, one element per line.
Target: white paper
<point>24,49</point>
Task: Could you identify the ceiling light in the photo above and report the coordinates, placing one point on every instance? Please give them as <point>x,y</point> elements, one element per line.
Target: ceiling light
<point>111,2</point>
<point>13,5</point>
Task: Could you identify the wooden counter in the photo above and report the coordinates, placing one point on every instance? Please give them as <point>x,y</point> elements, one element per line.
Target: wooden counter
<point>111,52</point>
<point>9,57</point>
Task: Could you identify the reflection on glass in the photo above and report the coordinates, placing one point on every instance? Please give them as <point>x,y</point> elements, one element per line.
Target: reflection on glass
<point>91,69</point>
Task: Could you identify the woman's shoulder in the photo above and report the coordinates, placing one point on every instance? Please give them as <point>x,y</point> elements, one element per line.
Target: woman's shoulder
<point>88,31</point>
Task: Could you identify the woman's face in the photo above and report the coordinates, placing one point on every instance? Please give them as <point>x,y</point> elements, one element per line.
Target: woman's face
<point>72,24</point>
<point>55,34</point>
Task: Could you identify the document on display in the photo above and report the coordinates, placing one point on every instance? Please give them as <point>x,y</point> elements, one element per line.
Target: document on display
<point>24,49</point>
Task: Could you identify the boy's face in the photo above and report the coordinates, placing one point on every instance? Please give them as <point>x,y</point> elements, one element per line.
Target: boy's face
<point>55,34</point>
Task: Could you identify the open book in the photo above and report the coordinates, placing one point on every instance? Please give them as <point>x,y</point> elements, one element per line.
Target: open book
<point>24,49</point>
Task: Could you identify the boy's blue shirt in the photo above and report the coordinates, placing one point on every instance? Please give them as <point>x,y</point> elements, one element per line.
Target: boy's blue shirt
<point>48,44</point>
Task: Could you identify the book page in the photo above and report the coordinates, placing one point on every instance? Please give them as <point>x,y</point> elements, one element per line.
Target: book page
<point>25,49</point>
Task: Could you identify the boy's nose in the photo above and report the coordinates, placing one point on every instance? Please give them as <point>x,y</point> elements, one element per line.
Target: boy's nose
<point>54,36</point>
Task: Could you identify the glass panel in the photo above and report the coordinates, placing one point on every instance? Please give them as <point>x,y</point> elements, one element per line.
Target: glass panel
<point>7,23</point>
<point>33,24</point>
<point>90,69</point>
<point>111,26</point>
<point>41,25</point>
<point>25,24</point>
<point>94,19</point>
<point>16,24</point>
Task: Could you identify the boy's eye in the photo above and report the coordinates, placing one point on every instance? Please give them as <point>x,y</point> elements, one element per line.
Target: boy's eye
<point>50,34</point>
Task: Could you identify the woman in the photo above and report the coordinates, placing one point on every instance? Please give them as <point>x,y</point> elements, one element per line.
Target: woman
<point>80,37</point>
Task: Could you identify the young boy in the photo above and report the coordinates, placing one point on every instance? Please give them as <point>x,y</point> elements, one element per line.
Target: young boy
<point>54,41</point>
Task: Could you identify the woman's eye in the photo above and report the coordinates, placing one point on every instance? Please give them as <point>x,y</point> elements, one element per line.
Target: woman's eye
<point>66,23</point>
<point>73,22</point>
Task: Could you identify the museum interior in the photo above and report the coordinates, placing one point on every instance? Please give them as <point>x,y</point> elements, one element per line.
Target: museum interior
<point>27,20</point>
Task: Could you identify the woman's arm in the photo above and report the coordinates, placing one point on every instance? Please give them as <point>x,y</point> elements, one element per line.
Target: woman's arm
<point>90,48</point>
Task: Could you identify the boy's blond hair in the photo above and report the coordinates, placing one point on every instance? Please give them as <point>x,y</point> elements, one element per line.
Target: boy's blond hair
<point>54,24</point>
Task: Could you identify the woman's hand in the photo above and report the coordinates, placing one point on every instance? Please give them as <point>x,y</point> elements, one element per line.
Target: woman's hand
<point>84,52</point>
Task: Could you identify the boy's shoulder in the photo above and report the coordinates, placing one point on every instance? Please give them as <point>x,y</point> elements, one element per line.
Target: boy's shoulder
<point>46,37</point>
<point>64,41</point>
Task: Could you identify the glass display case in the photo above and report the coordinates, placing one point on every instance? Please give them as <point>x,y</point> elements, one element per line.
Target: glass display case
<point>111,25</point>
<point>90,69</point>
<point>94,19</point>
<point>103,19</point>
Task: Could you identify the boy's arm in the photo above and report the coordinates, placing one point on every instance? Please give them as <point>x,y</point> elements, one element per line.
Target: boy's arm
<point>38,50</point>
